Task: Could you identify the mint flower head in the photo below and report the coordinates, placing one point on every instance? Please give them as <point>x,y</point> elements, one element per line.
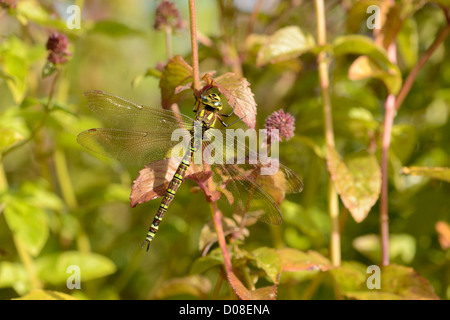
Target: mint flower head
<point>283,122</point>
<point>167,16</point>
<point>57,44</point>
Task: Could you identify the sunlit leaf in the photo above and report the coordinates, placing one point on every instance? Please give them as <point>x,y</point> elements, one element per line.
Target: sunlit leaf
<point>39,294</point>
<point>388,72</point>
<point>238,94</point>
<point>265,293</point>
<point>28,223</point>
<point>431,172</point>
<point>34,11</point>
<point>296,260</point>
<point>357,178</point>
<point>8,138</point>
<point>286,43</point>
<point>269,260</point>
<point>176,73</point>
<point>13,275</point>
<point>401,246</point>
<point>53,268</point>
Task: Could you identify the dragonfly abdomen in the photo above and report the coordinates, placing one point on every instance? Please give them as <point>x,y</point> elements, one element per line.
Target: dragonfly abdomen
<point>170,193</point>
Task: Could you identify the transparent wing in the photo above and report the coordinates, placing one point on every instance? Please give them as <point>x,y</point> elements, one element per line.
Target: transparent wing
<point>133,147</point>
<point>146,134</point>
<point>132,116</point>
<point>250,191</point>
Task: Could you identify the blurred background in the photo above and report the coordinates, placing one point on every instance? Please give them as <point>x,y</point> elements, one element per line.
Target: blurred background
<point>66,204</point>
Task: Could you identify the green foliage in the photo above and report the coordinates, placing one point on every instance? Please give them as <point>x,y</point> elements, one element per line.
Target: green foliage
<point>62,206</point>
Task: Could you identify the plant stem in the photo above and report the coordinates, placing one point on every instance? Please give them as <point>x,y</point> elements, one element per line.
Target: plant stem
<point>28,263</point>
<point>217,218</point>
<point>194,44</point>
<point>168,36</point>
<point>217,214</point>
<point>426,56</point>
<point>333,202</point>
<point>47,109</point>
<point>389,115</point>
<point>389,107</point>
<point>64,179</point>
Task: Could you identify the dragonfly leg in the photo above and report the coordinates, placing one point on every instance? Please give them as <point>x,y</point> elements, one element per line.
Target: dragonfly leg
<point>227,125</point>
<point>227,115</point>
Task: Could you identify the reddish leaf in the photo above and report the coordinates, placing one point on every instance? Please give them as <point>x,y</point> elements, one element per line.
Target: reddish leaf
<point>177,73</point>
<point>241,291</point>
<point>154,179</point>
<point>265,293</point>
<point>238,94</point>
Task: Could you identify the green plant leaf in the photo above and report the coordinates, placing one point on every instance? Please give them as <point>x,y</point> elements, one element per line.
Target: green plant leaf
<point>194,285</point>
<point>285,44</point>
<point>213,259</point>
<point>115,29</point>
<point>8,138</point>
<point>176,73</point>
<point>396,283</point>
<point>401,246</point>
<point>264,293</point>
<point>27,222</point>
<point>357,179</point>
<point>268,260</point>
<point>151,72</point>
<point>439,173</point>
<point>39,294</point>
<point>296,260</point>
<point>238,94</point>
<point>13,275</point>
<point>377,59</point>
<point>53,268</point>
<point>358,14</point>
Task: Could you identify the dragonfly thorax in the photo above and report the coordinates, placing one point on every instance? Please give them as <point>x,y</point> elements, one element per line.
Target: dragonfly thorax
<point>207,116</point>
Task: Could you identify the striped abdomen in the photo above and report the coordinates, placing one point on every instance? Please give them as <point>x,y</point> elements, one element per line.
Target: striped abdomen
<point>170,193</point>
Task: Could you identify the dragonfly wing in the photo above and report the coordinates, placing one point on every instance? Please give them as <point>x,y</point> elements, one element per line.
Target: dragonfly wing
<point>132,116</point>
<point>133,147</point>
<point>238,170</point>
<point>246,195</point>
<point>274,175</point>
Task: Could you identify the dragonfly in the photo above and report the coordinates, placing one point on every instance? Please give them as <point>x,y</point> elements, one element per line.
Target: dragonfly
<point>143,135</point>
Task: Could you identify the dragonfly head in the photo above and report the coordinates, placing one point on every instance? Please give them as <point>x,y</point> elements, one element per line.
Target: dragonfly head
<point>212,100</point>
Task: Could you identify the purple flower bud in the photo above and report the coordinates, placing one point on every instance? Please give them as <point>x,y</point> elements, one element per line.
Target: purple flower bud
<point>57,45</point>
<point>167,15</point>
<point>8,4</point>
<point>284,122</point>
